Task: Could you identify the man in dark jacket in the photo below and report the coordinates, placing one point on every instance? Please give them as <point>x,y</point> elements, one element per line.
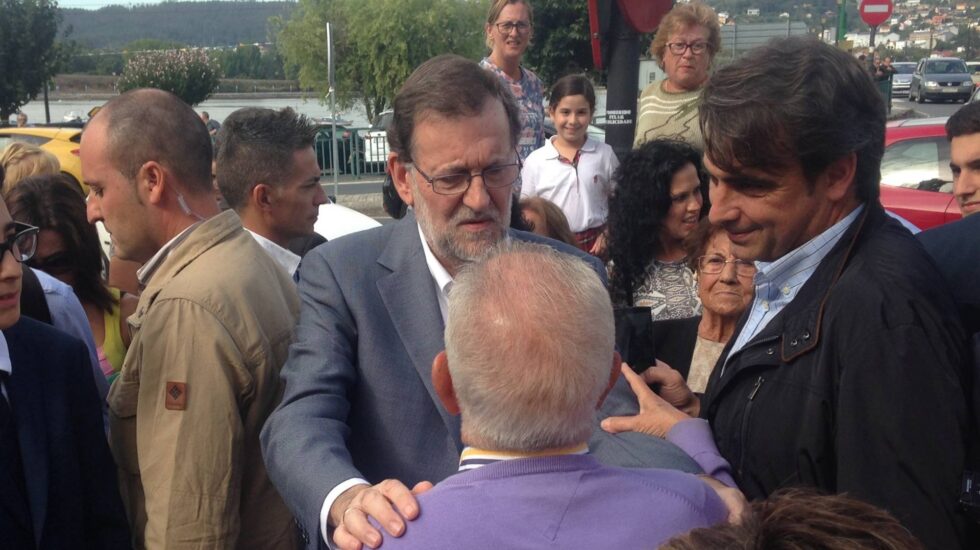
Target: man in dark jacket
<point>848,371</point>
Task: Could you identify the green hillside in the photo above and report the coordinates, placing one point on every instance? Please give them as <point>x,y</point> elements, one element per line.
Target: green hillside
<point>195,23</point>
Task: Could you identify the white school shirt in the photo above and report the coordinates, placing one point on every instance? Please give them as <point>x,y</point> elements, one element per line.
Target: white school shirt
<point>581,191</point>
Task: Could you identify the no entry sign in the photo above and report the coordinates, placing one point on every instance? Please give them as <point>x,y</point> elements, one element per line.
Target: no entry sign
<point>875,12</point>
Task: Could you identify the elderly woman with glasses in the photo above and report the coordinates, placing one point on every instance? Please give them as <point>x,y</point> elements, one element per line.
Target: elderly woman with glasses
<point>692,346</point>
<point>508,30</point>
<point>685,45</point>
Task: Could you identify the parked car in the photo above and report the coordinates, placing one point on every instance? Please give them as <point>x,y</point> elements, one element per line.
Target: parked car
<point>376,143</point>
<point>941,79</point>
<point>334,220</point>
<point>916,182</point>
<point>350,149</point>
<point>902,77</point>
<point>974,68</point>
<point>62,142</point>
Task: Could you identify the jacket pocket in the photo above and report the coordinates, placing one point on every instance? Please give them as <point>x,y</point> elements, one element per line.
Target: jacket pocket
<point>123,401</point>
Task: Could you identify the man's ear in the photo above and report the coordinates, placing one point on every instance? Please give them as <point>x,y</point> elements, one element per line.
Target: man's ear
<point>399,175</point>
<point>261,196</point>
<point>839,177</point>
<point>152,179</point>
<point>617,361</point>
<point>442,381</point>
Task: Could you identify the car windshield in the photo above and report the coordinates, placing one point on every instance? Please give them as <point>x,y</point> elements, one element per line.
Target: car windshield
<point>904,68</point>
<point>383,121</point>
<point>921,163</point>
<point>949,66</point>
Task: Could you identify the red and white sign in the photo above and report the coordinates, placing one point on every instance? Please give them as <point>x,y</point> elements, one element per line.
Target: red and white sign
<point>875,12</point>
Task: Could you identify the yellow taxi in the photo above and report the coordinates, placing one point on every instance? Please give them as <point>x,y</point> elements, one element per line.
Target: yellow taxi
<point>62,142</point>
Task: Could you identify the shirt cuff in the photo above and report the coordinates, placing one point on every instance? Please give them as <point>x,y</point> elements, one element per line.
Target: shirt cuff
<point>694,437</point>
<point>328,503</point>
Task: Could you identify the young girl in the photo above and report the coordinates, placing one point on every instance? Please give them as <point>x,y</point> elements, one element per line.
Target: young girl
<point>573,170</point>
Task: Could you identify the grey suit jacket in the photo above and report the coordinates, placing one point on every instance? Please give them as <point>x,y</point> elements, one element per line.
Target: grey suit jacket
<point>359,400</point>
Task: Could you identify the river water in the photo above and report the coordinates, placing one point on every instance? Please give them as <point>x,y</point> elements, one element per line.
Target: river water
<point>218,109</point>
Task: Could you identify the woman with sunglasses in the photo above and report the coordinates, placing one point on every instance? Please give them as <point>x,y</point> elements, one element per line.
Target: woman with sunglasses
<point>685,45</point>
<point>508,30</point>
<point>725,285</point>
<point>68,249</point>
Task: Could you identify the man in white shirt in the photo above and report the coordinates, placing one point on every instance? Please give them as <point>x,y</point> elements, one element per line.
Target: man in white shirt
<point>268,173</point>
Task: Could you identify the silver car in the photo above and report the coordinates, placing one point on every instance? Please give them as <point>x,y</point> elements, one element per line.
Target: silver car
<point>902,77</point>
<point>940,79</point>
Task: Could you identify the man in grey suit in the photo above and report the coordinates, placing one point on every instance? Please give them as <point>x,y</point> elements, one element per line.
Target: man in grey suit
<point>359,406</point>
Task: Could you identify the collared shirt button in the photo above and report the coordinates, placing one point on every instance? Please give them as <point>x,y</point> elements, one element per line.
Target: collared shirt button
<point>806,334</point>
<point>770,351</point>
<point>794,342</point>
<point>765,305</point>
<point>786,290</point>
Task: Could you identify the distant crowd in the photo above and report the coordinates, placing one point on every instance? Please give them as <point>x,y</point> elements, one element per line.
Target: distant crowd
<point>719,339</point>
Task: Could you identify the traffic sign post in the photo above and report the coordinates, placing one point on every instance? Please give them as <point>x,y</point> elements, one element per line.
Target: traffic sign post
<point>874,13</point>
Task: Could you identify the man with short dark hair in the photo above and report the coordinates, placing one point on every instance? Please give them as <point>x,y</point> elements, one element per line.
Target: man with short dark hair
<point>526,373</point>
<point>360,420</point>
<point>268,173</point>
<point>963,132</point>
<point>210,333</point>
<point>848,371</point>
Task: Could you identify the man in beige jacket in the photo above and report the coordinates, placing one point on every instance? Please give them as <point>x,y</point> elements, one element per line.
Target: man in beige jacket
<point>211,331</point>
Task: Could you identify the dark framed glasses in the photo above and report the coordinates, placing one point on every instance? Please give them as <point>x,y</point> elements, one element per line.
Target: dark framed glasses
<point>522,27</point>
<point>58,263</point>
<point>22,244</point>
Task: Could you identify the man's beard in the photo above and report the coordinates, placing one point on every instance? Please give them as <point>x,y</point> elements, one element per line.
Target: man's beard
<point>455,245</point>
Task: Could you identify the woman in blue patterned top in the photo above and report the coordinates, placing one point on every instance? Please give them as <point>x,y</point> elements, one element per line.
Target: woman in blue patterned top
<point>508,29</point>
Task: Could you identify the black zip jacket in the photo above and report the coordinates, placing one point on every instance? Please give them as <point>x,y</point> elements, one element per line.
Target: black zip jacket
<point>857,386</point>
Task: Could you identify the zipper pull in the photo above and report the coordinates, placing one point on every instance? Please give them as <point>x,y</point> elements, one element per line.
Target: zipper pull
<point>755,389</point>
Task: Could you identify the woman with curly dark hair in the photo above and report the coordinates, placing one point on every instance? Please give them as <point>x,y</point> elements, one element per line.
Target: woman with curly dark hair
<point>657,202</point>
<point>68,249</point>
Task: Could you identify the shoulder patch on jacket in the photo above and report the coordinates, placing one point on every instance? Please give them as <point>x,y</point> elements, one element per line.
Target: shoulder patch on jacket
<point>176,399</point>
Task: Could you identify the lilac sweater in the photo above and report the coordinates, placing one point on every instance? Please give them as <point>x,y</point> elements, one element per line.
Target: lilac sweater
<point>568,502</point>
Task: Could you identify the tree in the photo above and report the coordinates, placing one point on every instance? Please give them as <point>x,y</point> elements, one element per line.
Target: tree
<point>188,74</point>
<point>378,43</point>
<point>560,44</point>
<point>28,55</point>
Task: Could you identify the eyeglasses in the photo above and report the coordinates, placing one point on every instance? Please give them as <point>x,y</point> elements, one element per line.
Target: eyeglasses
<point>523,27</point>
<point>714,264</point>
<point>678,48</point>
<point>22,243</point>
<point>58,263</point>
<point>494,177</point>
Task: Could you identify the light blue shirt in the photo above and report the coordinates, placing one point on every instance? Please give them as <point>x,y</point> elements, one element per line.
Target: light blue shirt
<point>68,316</point>
<point>778,282</point>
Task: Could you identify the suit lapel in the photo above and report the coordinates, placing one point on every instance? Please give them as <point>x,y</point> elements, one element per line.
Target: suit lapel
<point>409,295</point>
<point>26,393</point>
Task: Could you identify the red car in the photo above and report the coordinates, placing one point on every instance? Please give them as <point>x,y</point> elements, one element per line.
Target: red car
<point>916,182</point>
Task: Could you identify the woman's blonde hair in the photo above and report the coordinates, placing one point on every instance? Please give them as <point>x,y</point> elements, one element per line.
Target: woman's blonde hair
<point>22,160</point>
<point>498,6</point>
<point>680,17</point>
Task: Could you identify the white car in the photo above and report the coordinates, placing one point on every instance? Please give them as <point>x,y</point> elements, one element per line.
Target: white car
<point>335,221</point>
<point>376,141</point>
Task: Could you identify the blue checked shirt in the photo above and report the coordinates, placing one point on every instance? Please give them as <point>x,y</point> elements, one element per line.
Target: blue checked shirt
<point>776,283</point>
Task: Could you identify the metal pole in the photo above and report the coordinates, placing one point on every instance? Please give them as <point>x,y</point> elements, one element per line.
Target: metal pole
<point>841,22</point>
<point>624,74</point>
<point>333,112</point>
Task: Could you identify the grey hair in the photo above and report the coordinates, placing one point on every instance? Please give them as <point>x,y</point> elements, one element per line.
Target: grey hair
<point>530,341</point>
